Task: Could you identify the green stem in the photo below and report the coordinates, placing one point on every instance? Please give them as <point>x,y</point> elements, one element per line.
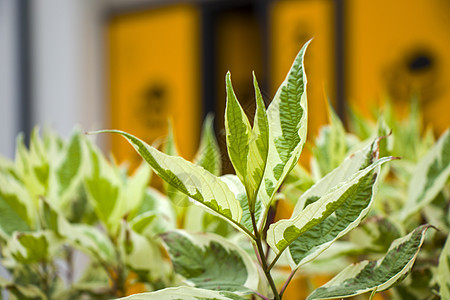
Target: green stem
<point>263,259</point>
<point>373,294</point>
<point>275,260</point>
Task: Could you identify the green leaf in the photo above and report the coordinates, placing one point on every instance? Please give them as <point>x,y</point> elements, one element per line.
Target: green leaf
<point>375,234</point>
<point>157,204</point>
<point>258,148</point>
<point>238,189</point>
<point>135,188</point>
<point>211,262</point>
<point>380,275</point>
<point>190,179</point>
<point>429,177</point>
<point>185,293</point>
<point>33,166</point>
<point>103,187</point>
<point>343,208</point>
<point>19,291</point>
<point>443,272</point>
<point>287,119</point>
<point>238,133</point>
<point>69,168</point>
<point>177,197</point>
<point>91,241</point>
<point>17,208</point>
<point>31,247</point>
<point>352,164</point>
<point>88,239</point>
<point>140,254</point>
<point>208,154</point>
<point>331,145</point>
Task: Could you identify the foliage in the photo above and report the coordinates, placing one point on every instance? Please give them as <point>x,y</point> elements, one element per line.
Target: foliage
<point>61,200</point>
<point>263,154</point>
<point>411,192</point>
<point>213,236</point>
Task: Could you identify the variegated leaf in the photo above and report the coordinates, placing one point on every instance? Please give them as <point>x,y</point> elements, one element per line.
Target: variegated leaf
<point>103,187</point>
<point>88,239</point>
<point>157,204</point>
<point>344,206</point>
<point>443,272</point>
<point>287,118</point>
<point>330,146</point>
<point>185,293</point>
<point>211,262</point>
<point>31,247</point>
<point>140,254</point>
<point>208,154</point>
<point>238,133</point>
<point>258,149</point>
<point>238,189</point>
<point>188,178</point>
<point>32,165</point>
<point>429,177</point>
<point>177,197</point>
<point>134,189</point>
<point>352,164</point>
<point>379,275</point>
<point>17,207</point>
<point>68,172</point>
<point>29,292</point>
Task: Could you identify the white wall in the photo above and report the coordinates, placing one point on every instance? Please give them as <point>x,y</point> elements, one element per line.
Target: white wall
<point>67,66</point>
<point>8,78</point>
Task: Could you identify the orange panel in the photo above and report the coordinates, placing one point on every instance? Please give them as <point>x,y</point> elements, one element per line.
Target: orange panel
<point>292,23</point>
<point>400,48</point>
<point>154,74</point>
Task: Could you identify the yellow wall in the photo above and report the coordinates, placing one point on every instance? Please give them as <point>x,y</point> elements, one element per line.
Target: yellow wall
<point>292,23</point>
<point>384,37</point>
<point>154,61</point>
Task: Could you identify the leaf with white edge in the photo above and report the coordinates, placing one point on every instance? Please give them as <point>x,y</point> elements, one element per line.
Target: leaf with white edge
<point>353,206</point>
<point>258,148</point>
<point>344,207</point>
<point>135,188</point>
<point>17,207</point>
<point>32,165</point>
<point>103,187</point>
<point>287,118</point>
<point>31,247</point>
<point>29,292</point>
<point>379,275</point>
<point>86,238</point>
<point>141,222</point>
<point>330,146</point>
<point>185,293</point>
<point>238,133</point>
<point>70,166</point>
<point>211,262</point>
<point>443,272</point>
<point>208,154</point>
<point>356,202</point>
<point>238,189</point>
<point>352,164</point>
<point>429,177</point>
<point>190,179</point>
<point>140,254</point>
<point>92,241</point>
<point>157,204</point>
<point>170,148</point>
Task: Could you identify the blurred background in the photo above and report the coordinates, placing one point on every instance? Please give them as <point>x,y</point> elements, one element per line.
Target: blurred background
<point>132,64</point>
